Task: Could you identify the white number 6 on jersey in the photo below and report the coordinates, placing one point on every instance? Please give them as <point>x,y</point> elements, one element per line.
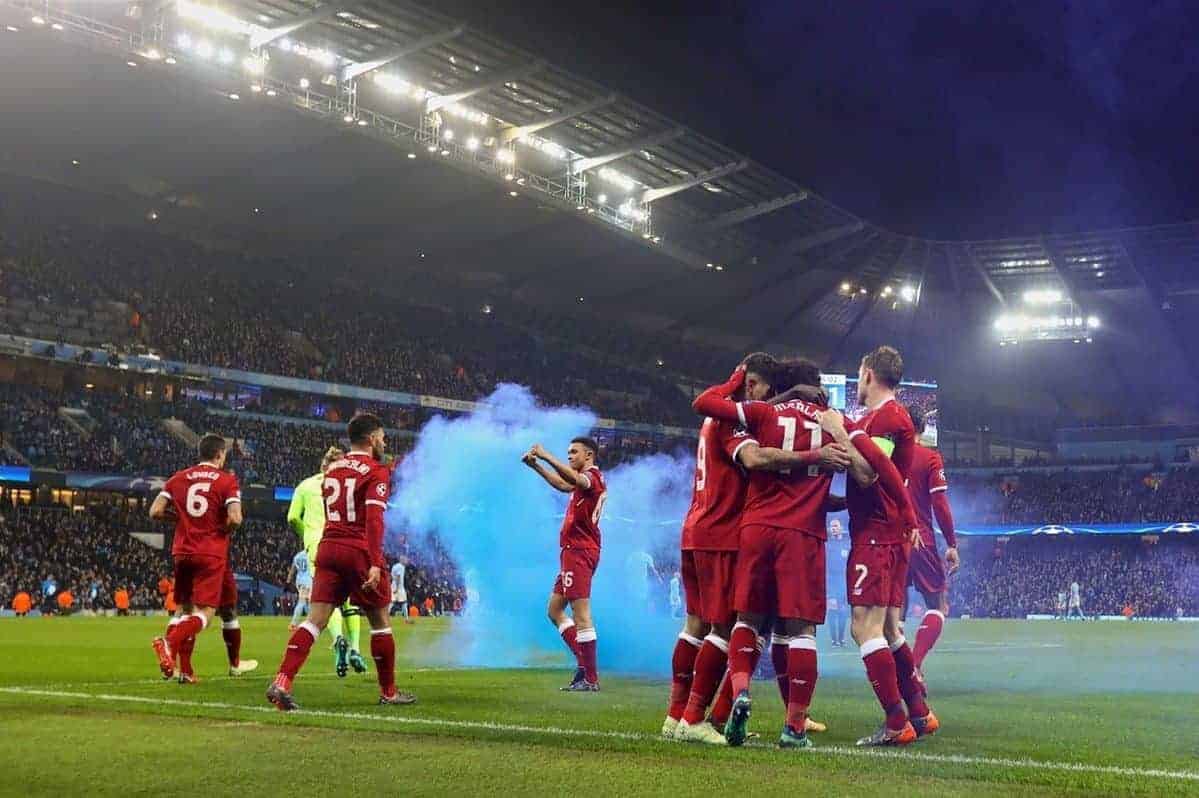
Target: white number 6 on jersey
<point>568,578</point>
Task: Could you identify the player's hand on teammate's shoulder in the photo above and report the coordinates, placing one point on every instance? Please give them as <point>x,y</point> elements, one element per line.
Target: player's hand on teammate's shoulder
<point>953,560</point>
<point>831,421</point>
<point>834,457</point>
<point>916,540</point>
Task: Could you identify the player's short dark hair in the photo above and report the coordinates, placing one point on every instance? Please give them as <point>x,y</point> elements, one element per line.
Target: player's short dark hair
<point>887,365</point>
<point>362,426</point>
<point>587,441</point>
<point>762,364</point>
<point>799,371</point>
<point>917,418</point>
<point>211,446</point>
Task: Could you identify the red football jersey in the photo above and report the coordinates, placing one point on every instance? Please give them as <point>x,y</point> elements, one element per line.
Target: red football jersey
<point>927,477</point>
<point>791,499</point>
<point>873,515</point>
<point>580,527</point>
<point>351,485</point>
<point>714,521</point>
<point>201,495</point>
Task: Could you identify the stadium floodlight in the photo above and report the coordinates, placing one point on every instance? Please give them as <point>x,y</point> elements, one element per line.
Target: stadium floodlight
<point>509,176</point>
<point>38,20</point>
<point>908,293</point>
<point>183,41</point>
<point>131,63</point>
<point>505,156</point>
<point>234,96</point>
<point>472,143</point>
<point>412,155</point>
<point>432,148</point>
<point>445,153</point>
<point>1093,322</point>
<point>214,18</point>
<point>1098,274</point>
<point>602,199</point>
<point>152,54</point>
<point>304,83</point>
<point>886,290</point>
<point>362,123</point>
<point>56,26</point>
<point>846,287</point>
<point>719,268</point>
<point>513,194</point>
<point>271,93</point>
<point>448,135</point>
<point>256,88</point>
<point>205,49</point>
<point>862,290</point>
<point>711,265</point>
<point>74,162</point>
<point>348,119</point>
<point>12,29</point>
<point>618,178</point>
<point>255,66</point>
<point>170,60</point>
<point>1042,296</point>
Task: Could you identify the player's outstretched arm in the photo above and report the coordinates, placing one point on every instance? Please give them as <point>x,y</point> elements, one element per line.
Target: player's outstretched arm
<point>571,478</point>
<point>160,509</point>
<point>767,458</point>
<point>888,475</point>
<point>552,479</point>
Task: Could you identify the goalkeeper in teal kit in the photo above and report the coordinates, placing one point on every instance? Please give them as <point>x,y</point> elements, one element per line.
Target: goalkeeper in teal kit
<point>306,516</point>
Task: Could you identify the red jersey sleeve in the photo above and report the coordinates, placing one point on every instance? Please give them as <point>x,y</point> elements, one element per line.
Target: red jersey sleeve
<point>733,439</point>
<point>227,490</point>
<point>938,488</point>
<point>376,493</point>
<point>937,483</point>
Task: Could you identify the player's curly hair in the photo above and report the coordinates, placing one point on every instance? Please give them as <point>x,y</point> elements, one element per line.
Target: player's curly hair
<point>798,371</point>
<point>362,426</point>
<point>764,365</point>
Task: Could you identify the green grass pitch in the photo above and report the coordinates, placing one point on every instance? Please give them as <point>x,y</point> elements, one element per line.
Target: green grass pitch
<point>1026,708</point>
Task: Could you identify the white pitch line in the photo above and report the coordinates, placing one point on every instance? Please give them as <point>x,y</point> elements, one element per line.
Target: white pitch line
<point>901,755</point>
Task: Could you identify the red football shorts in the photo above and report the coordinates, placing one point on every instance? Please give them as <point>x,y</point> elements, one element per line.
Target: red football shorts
<point>709,579</point>
<point>339,575</point>
<point>926,571</point>
<point>576,568</point>
<point>228,589</point>
<point>877,575</point>
<point>780,572</point>
<point>199,580</point>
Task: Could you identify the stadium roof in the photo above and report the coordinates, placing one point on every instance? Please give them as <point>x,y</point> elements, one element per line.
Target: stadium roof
<point>605,198</point>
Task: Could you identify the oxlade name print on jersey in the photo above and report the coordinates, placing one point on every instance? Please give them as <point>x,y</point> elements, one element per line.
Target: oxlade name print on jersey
<point>351,485</point>
<point>581,525</point>
<point>201,495</point>
<point>874,517</point>
<point>713,521</point>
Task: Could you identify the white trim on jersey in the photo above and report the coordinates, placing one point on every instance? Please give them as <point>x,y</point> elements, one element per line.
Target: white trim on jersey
<point>377,503</point>
<point>938,489</point>
<point>743,443</point>
<point>741,413</point>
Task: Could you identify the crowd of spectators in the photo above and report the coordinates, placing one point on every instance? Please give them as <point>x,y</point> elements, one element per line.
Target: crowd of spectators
<point>1151,576</point>
<point>1077,497</point>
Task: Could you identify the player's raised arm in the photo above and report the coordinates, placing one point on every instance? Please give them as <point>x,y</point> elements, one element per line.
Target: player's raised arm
<point>551,477</point>
<point>715,401</point>
<point>569,476</point>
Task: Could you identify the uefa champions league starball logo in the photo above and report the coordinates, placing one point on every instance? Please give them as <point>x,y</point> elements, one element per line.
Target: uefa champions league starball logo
<point>1053,529</point>
<point>1185,526</point>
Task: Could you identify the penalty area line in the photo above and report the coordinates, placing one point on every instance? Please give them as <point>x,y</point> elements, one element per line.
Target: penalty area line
<point>871,753</point>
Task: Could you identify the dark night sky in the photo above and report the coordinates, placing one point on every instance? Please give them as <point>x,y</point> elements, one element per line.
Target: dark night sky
<point>968,119</point>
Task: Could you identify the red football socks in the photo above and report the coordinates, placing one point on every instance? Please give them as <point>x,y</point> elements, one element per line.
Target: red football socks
<point>185,655</point>
<point>187,627</point>
<point>682,668</point>
<point>711,665</point>
<point>802,675</point>
<point>383,652</point>
<point>298,646</point>
<point>880,669</point>
<point>570,636</point>
<point>743,657</point>
<point>779,645</point>
<point>231,633</point>
<point>587,654</point>
<point>905,674</point>
<point>927,635</point>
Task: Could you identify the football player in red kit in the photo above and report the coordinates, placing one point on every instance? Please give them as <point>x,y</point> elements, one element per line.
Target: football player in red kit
<point>926,572</point>
<point>882,531</point>
<point>780,562</point>
<point>205,503</point>
<point>579,540</point>
<point>710,539</point>
<point>350,562</point>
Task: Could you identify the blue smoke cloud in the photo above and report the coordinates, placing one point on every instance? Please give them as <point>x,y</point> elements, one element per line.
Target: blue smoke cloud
<point>464,483</point>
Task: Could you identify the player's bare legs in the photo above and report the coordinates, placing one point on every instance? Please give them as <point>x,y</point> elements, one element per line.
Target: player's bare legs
<point>383,652</point>
<point>682,670</point>
<point>868,627</point>
<point>298,646</point>
<point>231,633</point>
<point>555,610</point>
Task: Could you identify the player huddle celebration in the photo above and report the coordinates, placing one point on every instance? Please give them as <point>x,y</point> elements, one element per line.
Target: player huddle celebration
<point>753,559</point>
<point>753,549</point>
